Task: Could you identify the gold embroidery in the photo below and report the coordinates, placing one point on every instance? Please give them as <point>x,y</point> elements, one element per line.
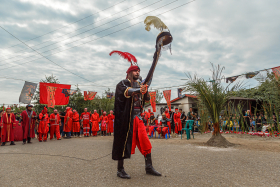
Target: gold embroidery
<point>128,126</point>
<point>8,131</point>
<point>125,93</point>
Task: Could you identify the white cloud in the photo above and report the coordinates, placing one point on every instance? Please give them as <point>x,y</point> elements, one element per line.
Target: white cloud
<point>240,35</point>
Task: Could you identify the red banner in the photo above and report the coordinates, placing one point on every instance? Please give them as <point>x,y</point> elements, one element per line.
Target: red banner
<point>153,100</point>
<point>89,95</point>
<point>59,97</point>
<point>276,72</point>
<point>51,96</point>
<point>167,96</point>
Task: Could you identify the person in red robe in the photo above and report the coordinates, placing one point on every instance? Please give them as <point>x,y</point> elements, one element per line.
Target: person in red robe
<point>55,122</point>
<point>43,128</point>
<point>76,124</point>
<point>111,118</point>
<point>177,121</point>
<point>1,113</point>
<point>147,115</point>
<point>8,123</point>
<point>27,121</point>
<point>95,123</point>
<point>68,123</point>
<point>85,117</point>
<point>104,122</point>
<point>168,117</point>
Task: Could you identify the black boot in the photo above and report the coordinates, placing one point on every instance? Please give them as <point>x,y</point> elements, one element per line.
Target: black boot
<point>12,143</point>
<point>24,141</point>
<point>121,173</point>
<point>3,143</point>
<point>149,166</point>
<point>29,140</point>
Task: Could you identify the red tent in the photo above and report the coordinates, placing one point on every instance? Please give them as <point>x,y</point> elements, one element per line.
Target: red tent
<point>60,98</point>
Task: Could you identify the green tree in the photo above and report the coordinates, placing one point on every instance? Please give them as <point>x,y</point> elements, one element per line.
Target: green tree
<point>213,96</point>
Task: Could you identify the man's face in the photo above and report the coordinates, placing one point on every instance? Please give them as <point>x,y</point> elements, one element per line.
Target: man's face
<point>163,117</point>
<point>55,112</point>
<point>94,111</point>
<point>136,75</point>
<point>190,109</point>
<point>9,111</point>
<point>29,108</point>
<point>180,111</point>
<point>85,109</point>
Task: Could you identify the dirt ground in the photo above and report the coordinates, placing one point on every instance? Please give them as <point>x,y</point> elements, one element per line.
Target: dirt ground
<point>253,161</point>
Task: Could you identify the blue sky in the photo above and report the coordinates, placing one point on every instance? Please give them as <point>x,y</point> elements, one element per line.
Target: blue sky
<point>242,35</point>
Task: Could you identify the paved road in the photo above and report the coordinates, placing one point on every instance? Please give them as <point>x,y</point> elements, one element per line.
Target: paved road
<point>87,162</point>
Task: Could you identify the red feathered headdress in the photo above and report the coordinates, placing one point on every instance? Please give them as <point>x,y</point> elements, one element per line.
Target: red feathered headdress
<point>130,58</point>
<point>127,56</point>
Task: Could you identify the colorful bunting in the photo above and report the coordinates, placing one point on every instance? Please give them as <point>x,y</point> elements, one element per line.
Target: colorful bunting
<point>89,95</point>
<point>153,100</point>
<point>27,92</point>
<point>68,92</point>
<point>276,72</point>
<point>60,98</point>
<point>51,96</point>
<point>167,96</point>
<point>251,74</point>
<point>231,79</point>
<point>110,95</point>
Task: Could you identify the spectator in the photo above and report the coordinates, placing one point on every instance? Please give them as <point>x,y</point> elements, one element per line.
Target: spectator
<point>190,114</point>
<point>183,118</point>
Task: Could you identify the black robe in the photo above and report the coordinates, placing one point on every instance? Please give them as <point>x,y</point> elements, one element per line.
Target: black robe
<point>123,124</point>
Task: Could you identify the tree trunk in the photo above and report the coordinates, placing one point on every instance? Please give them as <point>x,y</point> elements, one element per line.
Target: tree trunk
<point>216,130</point>
<point>217,140</point>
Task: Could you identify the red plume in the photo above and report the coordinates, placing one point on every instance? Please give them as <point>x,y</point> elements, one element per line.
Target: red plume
<point>127,56</point>
<point>131,57</point>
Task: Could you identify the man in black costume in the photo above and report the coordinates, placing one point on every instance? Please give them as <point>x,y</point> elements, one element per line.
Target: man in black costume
<point>129,129</point>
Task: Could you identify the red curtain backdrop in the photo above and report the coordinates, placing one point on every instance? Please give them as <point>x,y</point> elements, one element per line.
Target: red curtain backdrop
<point>276,72</point>
<point>89,95</point>
<point>153,100</point>
<point>60,98</point>
<point>167,96</point>
<point>51,96</point>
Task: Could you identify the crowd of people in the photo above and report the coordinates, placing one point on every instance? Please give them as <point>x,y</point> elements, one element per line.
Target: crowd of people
<point>169,122</point>
<point>249,122</point>
<point>70,124</point>
<point>65,124</point>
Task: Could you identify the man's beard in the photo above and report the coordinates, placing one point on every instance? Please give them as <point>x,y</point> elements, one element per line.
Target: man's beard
<point>135,77</point>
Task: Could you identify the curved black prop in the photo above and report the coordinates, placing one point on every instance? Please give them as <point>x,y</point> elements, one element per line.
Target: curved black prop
<point>163,39</point>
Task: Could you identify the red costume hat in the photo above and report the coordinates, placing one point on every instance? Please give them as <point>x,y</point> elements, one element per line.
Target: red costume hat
<point>45,110</point>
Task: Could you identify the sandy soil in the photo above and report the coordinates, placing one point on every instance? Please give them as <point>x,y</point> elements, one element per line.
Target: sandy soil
<point>254,161</point>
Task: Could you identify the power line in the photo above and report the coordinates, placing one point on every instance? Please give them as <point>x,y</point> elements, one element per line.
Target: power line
<point>109,33</point>
<point>45,57</point>
<point>85,32</point>
<point>69,84</point>
<point>69,24</point>
<point>72,32</point>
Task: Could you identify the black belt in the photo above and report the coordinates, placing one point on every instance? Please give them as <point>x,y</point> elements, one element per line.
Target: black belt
<point>75,121</point>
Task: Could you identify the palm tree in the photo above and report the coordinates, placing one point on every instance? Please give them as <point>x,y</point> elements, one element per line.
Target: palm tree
<point>213,96</point>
